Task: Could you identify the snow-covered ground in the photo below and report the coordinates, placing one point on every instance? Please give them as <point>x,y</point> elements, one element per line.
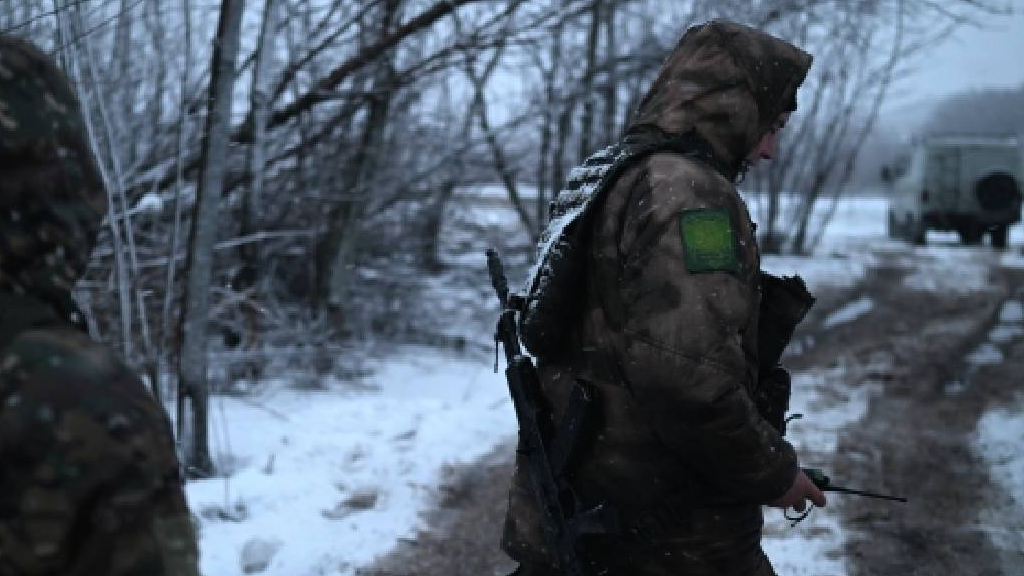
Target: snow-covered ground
<point>999,439</point>
<point>1000,433</point>
<point>332,478</point>
<point>850,312</point>
<point>323,482</point>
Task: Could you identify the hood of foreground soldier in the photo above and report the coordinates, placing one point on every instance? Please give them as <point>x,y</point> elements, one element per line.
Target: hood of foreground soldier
<point>52,198</point>
<point>729,83</point>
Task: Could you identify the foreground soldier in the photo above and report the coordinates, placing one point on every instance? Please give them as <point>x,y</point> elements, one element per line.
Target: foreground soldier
<point>667,331</point>
<point>89,480</point>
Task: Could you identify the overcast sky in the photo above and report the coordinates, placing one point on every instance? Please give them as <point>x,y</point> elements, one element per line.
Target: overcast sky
<point>972,58</point>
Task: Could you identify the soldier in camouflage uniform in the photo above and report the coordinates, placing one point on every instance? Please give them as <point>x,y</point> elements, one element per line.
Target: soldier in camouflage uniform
<point>89,479</point>
<point>668,331</point>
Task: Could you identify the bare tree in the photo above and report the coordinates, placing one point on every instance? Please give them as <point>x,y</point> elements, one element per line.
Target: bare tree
<point>193,387</point>
<point>587,88</point>
<point>167,328</point>
<point>337,248</point>
<point>840,102</point>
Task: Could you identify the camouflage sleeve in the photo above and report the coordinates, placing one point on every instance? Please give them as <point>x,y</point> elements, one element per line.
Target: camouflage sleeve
<point>689,292</point>
<point>90,481</point>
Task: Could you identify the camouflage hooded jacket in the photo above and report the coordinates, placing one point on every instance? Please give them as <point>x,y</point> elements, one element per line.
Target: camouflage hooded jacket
<point>673,331</point>
<point>89,480</point>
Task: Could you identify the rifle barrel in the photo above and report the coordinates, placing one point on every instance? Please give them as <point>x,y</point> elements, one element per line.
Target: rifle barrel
<point>862,493</point>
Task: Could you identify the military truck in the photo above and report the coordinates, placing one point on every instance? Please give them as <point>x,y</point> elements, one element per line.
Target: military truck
<point>967,184</point>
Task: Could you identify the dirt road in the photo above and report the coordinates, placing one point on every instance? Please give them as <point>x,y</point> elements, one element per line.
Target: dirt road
<point>917,438</point>
<point>925,350</point>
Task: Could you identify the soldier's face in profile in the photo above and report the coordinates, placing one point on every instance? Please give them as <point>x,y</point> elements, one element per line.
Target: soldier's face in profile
<point>768,146</point>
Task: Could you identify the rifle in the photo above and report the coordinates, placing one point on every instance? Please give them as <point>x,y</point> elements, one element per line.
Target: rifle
<point>548,451</point>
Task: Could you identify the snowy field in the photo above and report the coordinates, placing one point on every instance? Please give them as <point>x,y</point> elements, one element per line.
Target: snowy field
<point>325,481</point>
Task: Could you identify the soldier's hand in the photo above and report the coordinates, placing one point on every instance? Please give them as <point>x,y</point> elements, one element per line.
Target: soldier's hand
<point>798,494</point>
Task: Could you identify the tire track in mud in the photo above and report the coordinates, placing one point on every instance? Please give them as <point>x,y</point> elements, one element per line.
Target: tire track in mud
<point>916,438</point>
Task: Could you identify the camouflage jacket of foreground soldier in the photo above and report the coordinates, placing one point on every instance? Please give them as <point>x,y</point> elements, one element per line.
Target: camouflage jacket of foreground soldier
<point>668,332</point>
<point>89,480</point>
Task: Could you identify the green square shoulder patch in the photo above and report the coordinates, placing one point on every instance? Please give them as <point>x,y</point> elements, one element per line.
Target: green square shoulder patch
<point>708,240</point>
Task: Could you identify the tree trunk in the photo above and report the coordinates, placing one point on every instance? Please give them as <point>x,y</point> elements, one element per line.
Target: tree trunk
<point>166,330</point>
<point>558,156</point>
<point>119,73</point>
<point>337,249</point>
<point>156,102</point>
<point>192,365</point>
<point>309,155</point>
<point>259,104</point>
<point>611,86</point>
<point>113,177</point>
<point>546,129</point>
<point>435,224</point>
<point>587,89</point>
<point>498,156</point>
<point>865,127</point>
<point>252,203</point>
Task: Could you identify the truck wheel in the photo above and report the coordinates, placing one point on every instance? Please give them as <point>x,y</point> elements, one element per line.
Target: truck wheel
<point>918,233</point>
<point>999,234</point>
